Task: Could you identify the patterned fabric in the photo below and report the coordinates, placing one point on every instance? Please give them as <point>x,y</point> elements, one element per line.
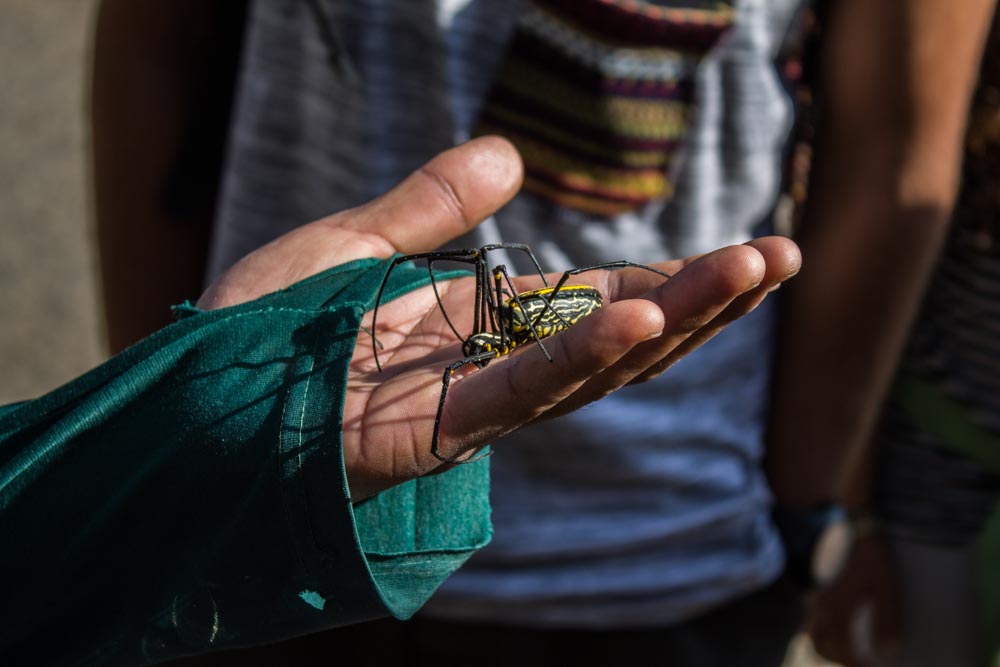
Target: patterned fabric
<point>596,102</point>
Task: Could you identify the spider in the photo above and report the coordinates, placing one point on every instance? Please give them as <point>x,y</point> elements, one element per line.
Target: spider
<point>504,319</point>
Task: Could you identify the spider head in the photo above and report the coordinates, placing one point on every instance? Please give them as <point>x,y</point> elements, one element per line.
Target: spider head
<point>481,343</point>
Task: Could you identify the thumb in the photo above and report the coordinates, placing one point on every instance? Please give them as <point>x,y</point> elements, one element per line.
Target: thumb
<point>442,200</point>
<point>445,198</point>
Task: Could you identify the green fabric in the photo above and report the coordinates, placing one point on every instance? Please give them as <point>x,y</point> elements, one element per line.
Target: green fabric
<point>936,413</point>
<point>189,494</point>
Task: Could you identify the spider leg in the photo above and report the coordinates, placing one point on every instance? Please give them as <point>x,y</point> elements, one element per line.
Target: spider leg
<point>445,383</point>
<point>502,270</point>
<point>523,248</point>
<point>437,296</point>
<point>468,256</point>
<point>484,300</point>
<point>620,264</point>
<point>499,313</point>
<point>376,345</point>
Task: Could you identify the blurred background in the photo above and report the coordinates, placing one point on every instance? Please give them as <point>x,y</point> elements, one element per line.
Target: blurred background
<point>48,270</point>
<point>52,329</point>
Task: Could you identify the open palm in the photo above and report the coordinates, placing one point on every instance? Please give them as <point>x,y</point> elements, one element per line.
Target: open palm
<point>645,325</point>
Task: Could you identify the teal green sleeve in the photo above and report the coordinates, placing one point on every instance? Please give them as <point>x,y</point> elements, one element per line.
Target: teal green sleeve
<point>189,494</point>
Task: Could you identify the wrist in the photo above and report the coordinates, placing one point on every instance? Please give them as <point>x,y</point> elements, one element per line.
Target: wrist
<point>818,539</point>
<point>863,524</point>
<point>815,538</point>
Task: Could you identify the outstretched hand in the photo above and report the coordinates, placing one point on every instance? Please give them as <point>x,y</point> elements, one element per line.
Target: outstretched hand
<point>856,619</point>
<point>644,327</point>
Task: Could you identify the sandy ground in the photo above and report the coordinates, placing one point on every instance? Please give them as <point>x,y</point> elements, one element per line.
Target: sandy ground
<point>50,330</point>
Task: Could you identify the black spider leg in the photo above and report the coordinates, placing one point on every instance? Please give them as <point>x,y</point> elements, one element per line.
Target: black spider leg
<point>378,300</point>
<point>455,255</point>
<point>620,264</point>
<point>485,308</point>
<point>523,248</point>
<point>502,325</point>
<point>502,270</point>
<point>445,383</point>
<point>477,307</point>
<point>437,297</point>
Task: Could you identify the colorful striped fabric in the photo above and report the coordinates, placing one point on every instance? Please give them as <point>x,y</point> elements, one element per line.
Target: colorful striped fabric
<point>596,95</point>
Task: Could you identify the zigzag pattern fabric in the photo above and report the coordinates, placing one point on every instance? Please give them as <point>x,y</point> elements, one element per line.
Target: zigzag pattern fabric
<point>596,94</point>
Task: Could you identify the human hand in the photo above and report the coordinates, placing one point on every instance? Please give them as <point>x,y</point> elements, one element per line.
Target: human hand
<point>855,620</point>
<point>645,325</point>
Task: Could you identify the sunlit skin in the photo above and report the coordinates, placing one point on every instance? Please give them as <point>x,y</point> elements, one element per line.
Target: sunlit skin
<point>503,318</point>
<point>646,324</point>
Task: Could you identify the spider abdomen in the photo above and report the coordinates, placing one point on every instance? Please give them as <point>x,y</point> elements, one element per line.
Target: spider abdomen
<point>549,312</point>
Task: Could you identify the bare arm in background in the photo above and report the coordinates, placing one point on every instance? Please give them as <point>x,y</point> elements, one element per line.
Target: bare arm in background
<point>896,83</point>
<point>897,80</point>
<point>150,84</point>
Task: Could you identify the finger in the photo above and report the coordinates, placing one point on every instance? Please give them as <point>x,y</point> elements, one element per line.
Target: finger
<point>487,404</point>
<point>689,301</point>
<point>443,199</point>
<point>782,260</point>
<point>633,283</point>
<point>827,626</point>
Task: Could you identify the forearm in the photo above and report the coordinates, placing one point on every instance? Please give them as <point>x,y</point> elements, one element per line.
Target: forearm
<point>190,493</point>
<point>148,57</point>
<point>897,81</point>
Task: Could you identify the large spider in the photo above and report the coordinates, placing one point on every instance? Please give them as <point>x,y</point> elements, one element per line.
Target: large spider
<point>504,318</point>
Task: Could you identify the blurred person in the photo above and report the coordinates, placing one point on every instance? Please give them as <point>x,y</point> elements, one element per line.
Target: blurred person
<point>921,585</point>
<point>246,475</point>
<point>645,521</point>
<point>160,101</point>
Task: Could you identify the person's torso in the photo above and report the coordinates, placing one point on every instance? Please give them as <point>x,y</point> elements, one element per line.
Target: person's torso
<point>648,506</point>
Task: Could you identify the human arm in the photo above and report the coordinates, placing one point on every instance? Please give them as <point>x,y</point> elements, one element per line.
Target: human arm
<point>163,74</point>
<point>895,91</point>
<point>203,488</point>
